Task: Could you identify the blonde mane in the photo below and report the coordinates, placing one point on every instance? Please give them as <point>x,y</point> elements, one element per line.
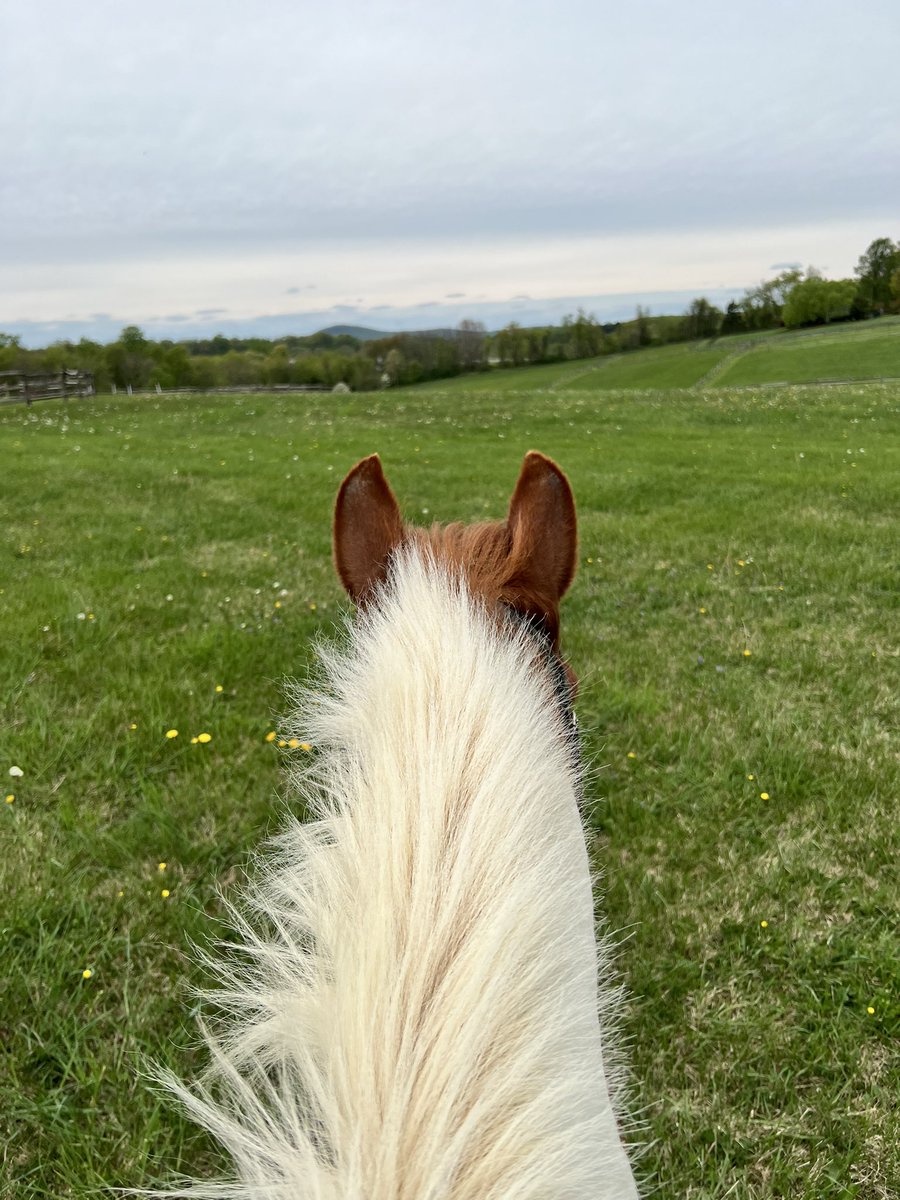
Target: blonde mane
<point>413,1013</point>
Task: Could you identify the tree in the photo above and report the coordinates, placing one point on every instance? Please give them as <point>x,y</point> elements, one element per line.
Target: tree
<point>816,300</point>
<point>733,320</point>
<point>895,290</point>
<point>394,363</point>
<point>511,344</point>
<point>874,271</point>
<point>470,338</point>
<point>761,306</point>
<point>702,319</point>
<point>128,359</point>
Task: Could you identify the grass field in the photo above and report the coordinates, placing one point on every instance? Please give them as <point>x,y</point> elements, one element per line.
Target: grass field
<point>735,627</point>
<point>866,350</point>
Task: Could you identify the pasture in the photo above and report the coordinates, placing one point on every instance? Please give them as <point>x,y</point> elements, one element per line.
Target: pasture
<point>863,350</point>
<point>166,563</point>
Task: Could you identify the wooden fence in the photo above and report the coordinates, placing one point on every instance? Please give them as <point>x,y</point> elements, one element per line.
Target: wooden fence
<point>18,386</point>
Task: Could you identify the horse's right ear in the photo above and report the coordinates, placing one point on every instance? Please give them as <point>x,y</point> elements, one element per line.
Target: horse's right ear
<point>367,528</point>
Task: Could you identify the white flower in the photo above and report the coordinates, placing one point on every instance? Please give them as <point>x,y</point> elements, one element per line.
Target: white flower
<point>82,616</point>
<point>16,772</point>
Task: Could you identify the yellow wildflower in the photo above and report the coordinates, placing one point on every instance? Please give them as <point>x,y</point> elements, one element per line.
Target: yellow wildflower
<point>271,735</point>
<point>171,733</point>
<point>219,688</point>
<point>764,924</point>
<point>161,867</point>
<point>293,743</point>
<point>10,798</point>
<point>86,973</point>
<point>763,795</point>
<point>165,893</point>
<point>203,738</point>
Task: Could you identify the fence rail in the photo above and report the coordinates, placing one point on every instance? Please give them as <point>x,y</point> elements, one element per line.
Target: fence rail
<point>27,386</point>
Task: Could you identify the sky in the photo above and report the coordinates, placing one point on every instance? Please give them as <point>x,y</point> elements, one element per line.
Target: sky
<point>195,166</point>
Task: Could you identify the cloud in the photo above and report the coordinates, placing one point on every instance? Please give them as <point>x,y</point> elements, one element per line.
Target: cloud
<point>785,266</point>
<point>608,135</point>
<point>209,312</point>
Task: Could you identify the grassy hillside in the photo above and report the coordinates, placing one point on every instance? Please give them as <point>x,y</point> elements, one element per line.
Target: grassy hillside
<point>867,350</point>
<point>734,624</point>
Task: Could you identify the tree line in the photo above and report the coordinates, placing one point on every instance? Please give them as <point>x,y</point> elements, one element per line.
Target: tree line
<point>792,299</point>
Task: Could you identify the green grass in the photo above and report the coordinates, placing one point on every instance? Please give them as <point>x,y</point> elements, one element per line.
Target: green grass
<point>855,354</point>
<point>174,525</point>
<point>663,367</point>
<point>863,350</point>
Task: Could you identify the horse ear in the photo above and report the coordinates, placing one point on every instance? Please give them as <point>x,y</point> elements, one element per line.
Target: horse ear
<point>543,528</point>
<point>367,527</point>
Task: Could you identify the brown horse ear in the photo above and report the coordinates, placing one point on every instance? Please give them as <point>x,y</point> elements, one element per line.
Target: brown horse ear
<point>543,529</point>
<point>367,527</point>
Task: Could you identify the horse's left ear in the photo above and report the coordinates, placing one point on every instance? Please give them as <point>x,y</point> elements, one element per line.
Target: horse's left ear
<point>543,528</point>
<point>367,528</point>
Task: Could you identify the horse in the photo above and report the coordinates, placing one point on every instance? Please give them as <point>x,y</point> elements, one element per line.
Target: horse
<point>414,1013</point>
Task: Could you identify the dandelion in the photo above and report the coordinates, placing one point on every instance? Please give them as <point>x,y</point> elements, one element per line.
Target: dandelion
<point>631,754</point>
<point>764,924</point>
<point>86,973</point>
<point>870,1010</point>
<point>219,687</point>
<point>709,567</point>
<point>746,654</point>
<point>313,607</point>
<point>133,725</point>
<point>305,746</point>
<point>751,777</point>
<point>278,604</point>
<point>763,795</point>
<point>282,743</point>
<point>10,798</point>
<point>703,610</point>
<point>90,616</point>
<point>271,735</point>
<point>16,772</point>
<point>161,866</point>
<point>741,563</point>
<point>203,738</point>
<point>171,733</point>
<point>165,893</point>
<point>120,893</point>
<point>293,743</point>
<point>193,741</point>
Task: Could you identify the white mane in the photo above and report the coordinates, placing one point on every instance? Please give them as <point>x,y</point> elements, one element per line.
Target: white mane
<point>414,1015</point>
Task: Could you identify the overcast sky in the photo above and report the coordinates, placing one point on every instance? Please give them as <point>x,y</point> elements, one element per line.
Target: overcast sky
<point>279,166</point>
